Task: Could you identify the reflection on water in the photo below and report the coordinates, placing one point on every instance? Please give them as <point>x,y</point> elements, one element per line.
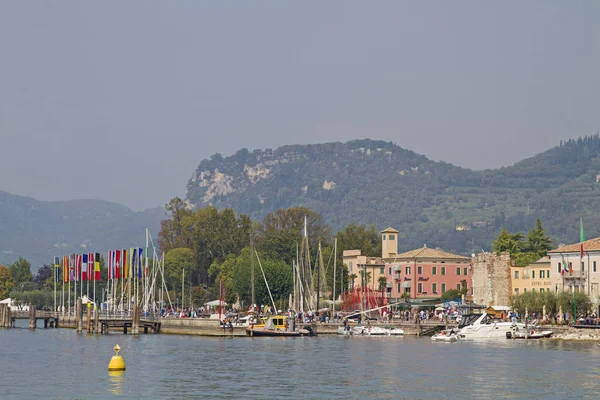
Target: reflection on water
<point>327,367</point>
<point>116,381</point>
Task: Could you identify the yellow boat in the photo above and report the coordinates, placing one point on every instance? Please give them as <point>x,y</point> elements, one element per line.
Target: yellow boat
<point>278,320</point>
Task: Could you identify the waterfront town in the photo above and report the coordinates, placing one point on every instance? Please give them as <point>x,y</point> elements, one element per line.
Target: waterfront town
<point>491,279</point>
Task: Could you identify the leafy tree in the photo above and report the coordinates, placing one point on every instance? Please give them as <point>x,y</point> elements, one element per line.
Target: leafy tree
<point>463,287</point>
<point>21,271</point>
<point>6,282</point>
<point>292,220</point>
<point>174,232</point>
<point>175,261</point>
<point>360,237</point>
<point>43,277</point>
<point>451,295</point>
<point>537,241</point>
<point>511,242</point>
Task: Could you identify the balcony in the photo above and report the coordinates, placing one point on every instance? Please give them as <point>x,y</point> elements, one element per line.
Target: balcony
<point>396,276</point>
<point>397,268</point>
<point>575,274</point>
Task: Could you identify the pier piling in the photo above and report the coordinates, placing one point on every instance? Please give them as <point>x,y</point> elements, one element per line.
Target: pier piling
<point>31,316</point>
<point>78,314</point>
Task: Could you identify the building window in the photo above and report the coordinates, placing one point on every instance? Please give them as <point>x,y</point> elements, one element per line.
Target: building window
<point>594,266</point>
<point>558,270</point>
<point>419,270</point>
<point>570,265</point>
<point>458,271</point>
<point>407,290</point>
<point>390,270</point>
<point>516,274</point>
<point>350,266</point>
<point>407,270</point>
<point>419,287</point>
<point>399,288</point>
<point>582,266</point>
<point>443,272</point>
<point>533,289</point>
<point>542,273</point>
<point>466,271</point>
<point>524,290</point>
<point>391,237</point>
<point>443,287</point>
<point>434,288</point>
<point>532,274</point>
<point>516,291</point>
<point>383,237</point>
<point>548,274</point>
<point>434,270</point>
<point>458,286</point>
<point>382,270</point>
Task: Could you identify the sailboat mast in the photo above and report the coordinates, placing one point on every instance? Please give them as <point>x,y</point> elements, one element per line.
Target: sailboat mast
<point>252,268</point>
<point>334,271</point>
<point>319,277</point>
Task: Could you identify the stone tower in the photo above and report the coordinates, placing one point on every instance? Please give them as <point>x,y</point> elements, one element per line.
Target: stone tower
<point>491,279</point>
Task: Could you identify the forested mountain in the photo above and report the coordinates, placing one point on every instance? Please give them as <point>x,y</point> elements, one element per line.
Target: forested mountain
<point>380,183</point>
<point>41,230</point>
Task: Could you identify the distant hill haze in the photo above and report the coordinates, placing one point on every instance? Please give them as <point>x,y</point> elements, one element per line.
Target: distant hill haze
<point>41,230</point>
<point>362,181</point>
<point>429,202</point>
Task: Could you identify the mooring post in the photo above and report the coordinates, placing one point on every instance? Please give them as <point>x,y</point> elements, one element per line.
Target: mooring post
<point>135,321</point>
<point>31,316</point>
<point>96,319</point>
<point>2,315</point>
<point>89,317</point>
<point>78,315</point>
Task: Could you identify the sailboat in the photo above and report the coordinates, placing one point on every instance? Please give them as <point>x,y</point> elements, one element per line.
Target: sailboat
<point>278,325</point>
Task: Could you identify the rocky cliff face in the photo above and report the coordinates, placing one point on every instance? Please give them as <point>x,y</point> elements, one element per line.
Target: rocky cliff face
<point>380,183</point>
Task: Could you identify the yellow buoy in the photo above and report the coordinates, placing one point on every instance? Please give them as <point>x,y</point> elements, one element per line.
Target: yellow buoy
<point>116,362</point>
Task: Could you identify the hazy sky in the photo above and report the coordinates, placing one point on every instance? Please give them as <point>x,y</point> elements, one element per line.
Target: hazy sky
<point>120,100</point>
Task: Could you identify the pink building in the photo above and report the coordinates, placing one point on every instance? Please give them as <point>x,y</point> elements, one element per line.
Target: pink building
<point>427,273</point>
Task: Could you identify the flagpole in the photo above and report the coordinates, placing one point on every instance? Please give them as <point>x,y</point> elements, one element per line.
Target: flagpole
<point>145,275</point>
<point>87,281</point>
<point>74,277</point>
<point>55,271</point>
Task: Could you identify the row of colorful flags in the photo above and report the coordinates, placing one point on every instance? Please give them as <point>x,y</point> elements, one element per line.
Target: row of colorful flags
<point>122,264</point>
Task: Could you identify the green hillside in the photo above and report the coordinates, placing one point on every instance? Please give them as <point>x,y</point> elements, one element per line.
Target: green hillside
<point>40,230</point>
<point>375,182</point>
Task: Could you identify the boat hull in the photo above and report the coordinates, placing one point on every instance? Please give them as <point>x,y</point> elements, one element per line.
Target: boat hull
<point>271,333</point>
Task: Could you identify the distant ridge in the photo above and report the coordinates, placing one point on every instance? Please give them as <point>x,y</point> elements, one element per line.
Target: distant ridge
<point>376,182</point>
<point>40,230</point>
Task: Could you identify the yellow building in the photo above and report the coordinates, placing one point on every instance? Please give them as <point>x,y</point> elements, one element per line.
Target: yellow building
<point>357,264</point>
<point>534,277</point>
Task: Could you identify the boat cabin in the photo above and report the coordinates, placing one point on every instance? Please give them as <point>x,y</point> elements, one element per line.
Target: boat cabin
<point>280,322</point>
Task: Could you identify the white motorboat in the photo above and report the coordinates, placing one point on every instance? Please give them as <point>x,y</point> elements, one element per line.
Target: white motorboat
<point>484,327</point>
<point>445,336</point>
<point>528,334</point>
<point>369,331</point>
<point>393,331</point>
<point>342,330</point>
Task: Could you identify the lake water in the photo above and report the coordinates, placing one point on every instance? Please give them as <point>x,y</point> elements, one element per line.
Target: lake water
<point>58,363</point>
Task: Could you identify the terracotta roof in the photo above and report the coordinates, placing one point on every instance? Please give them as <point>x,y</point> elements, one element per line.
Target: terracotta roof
<point>425,252</point>
<point>588,245</point>
<point>389,230</point>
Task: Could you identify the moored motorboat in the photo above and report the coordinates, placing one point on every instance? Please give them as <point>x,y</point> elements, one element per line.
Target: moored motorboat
<point>369,331</point>
<point>484,327</point>
<point>528,334</point>
<point>445,336</point>
<point>393,331</point>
